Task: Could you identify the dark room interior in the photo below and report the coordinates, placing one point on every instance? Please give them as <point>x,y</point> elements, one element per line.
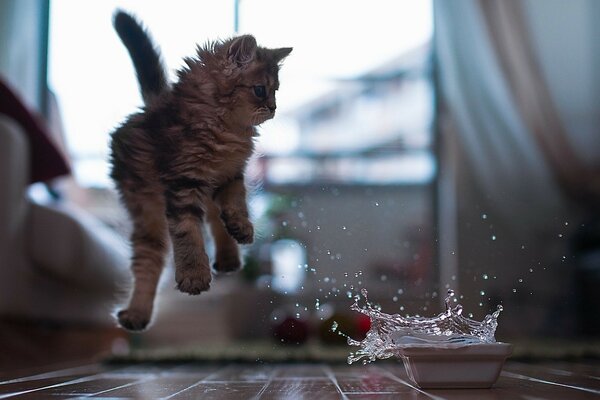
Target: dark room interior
<point>427,158</point>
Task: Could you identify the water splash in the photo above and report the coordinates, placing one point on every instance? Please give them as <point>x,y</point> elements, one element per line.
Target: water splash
<point>389,332</point>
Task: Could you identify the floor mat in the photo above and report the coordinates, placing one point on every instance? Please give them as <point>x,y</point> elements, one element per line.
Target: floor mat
<point>266,351</point>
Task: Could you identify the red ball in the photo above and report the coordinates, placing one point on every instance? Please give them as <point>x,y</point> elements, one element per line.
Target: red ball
<point>363,324</point>
<point>291,331</point>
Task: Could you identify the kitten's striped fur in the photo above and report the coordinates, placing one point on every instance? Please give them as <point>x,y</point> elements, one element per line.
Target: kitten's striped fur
<point>181,160</point>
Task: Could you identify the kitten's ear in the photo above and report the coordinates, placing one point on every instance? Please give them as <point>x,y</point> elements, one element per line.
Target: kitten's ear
<point>281,53</point>
<point>242,50</point>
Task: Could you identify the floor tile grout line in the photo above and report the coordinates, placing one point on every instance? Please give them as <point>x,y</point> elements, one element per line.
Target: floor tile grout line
<point>203,380</point>
<point>65,383</point>
<point>329,372</point>
<point>71,382</point>
<point>106,375</point>
<point>118,387</point>
<point>53,374</point>
<point>266,385</point>
<point>397,379</point>
<point>527,397</point>
<point>561,372</point>
<point>371,393</point>
<point>532,379</point>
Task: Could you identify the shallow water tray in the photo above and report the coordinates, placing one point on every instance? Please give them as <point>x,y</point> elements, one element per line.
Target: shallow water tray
<point>454,366</point>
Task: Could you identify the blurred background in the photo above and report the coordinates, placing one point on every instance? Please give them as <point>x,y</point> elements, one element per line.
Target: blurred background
<point>419,145</point>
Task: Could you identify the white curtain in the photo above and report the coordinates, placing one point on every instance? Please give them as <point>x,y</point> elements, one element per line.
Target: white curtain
<point>497,71</point>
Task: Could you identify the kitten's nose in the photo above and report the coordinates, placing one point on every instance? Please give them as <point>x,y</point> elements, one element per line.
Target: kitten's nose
<point>272,108</point>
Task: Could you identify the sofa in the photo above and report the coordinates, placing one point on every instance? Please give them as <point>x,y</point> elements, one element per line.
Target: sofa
<point>57,262</point>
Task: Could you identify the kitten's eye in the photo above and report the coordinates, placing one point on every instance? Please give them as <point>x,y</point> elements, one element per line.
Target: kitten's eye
<point>260,91</point>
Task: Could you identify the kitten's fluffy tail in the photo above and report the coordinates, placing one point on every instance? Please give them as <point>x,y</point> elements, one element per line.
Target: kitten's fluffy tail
<point>149,68</point>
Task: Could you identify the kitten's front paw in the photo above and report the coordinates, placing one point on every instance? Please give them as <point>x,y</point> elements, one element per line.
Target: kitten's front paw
<point>227,263</point>
<point>239,228</point>
<point>133,320</point>
<point>193,281</point>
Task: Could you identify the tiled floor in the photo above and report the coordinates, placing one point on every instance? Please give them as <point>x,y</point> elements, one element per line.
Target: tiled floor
<point>569,381</point>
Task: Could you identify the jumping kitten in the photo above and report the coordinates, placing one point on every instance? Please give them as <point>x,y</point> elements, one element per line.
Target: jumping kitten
<point>182,158</point>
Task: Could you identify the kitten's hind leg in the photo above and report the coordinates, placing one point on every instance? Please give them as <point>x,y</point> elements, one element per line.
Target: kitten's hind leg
<point>227,252</point>
<point>231,198</point>
<point>185,210</point>
<point>149,245</point>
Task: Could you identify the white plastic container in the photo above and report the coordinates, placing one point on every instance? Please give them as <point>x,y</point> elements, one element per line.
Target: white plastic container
<point>454,366</point>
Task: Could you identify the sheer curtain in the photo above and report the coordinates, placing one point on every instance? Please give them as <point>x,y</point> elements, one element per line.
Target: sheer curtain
<point>23,38</point>
<point>505,96</point>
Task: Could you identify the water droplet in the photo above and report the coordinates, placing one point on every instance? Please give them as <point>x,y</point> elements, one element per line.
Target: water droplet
<point>482,293</point>
<point>560,235</point>
<point>334,326</point>
<point>483,216</point>
<point>383,278</point>
<point>485,276</point>
<point>400,291</point>
<point>395,299</point>
<point>520,280</point>
<point>530,269</point>
<point>284,223</point>
<point>514,290</point>
<point>493,237</point>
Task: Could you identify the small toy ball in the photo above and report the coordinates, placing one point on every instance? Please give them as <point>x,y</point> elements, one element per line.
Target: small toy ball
<point>289,327</point>
<point>291,331</point>
<point>346,325</point>
<point>363,324</point>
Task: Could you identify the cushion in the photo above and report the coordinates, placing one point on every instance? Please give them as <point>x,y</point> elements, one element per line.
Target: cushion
<point>46,159</point>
